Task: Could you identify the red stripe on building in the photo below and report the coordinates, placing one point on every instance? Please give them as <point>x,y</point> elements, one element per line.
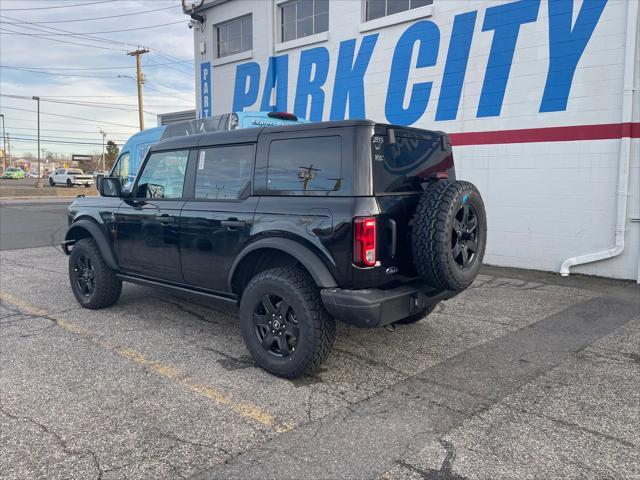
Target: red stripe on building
<point>605,131</point>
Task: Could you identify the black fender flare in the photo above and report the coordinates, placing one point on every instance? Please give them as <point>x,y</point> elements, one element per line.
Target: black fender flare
<point>98,235</point>
<point>318,270</point>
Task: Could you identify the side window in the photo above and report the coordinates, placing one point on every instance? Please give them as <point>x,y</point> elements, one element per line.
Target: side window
<point>122,169</point>
<point>224,173</point>
<point>163,175</point>
<point>312,164</point>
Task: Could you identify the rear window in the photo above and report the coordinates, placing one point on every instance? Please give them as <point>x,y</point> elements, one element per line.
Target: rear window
<point>74,172</point>
<point>310,165</point>
<point>403,165</point>
<point>224,173</point>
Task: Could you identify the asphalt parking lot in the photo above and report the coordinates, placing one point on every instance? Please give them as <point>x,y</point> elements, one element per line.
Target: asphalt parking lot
<point>525,375</point>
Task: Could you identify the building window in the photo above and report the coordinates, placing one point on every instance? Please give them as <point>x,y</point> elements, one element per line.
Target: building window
<point>301,18</point>
<point>382,8</point>
<point>234,36</point>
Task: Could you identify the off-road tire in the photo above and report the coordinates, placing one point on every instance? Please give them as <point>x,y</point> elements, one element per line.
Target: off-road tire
<point>432,235</point>
<point>107,286</point>
<point>69,184</point>
<point>317,328</point>
<point>51,182</point>
<point>416,317</point>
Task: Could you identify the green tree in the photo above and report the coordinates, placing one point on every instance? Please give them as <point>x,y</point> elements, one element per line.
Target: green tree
<point>111,154</point>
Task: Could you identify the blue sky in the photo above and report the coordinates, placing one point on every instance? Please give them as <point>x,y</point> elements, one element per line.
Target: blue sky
<point>40,55</point>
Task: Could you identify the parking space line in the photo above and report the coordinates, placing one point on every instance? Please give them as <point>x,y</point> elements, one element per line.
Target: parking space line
<point>242,408</point>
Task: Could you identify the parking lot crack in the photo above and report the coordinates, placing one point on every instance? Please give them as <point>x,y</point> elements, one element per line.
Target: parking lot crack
<point>59,440</point>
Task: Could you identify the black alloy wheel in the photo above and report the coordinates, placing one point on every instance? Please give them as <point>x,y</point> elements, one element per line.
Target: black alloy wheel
<point>85,275</point>
<point>464,238</point>
<point>275,326</point>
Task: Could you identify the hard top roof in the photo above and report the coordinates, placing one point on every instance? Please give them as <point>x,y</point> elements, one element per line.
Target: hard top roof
<point>244,135</point>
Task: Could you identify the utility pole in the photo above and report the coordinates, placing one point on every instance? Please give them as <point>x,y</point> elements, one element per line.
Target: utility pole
<point>138,53</point>
<point>104,135</point>
<point>4,144</point>
<point>39,180</point>
<point>9,150</point>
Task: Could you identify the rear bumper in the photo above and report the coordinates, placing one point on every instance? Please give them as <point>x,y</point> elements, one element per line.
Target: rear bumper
<point>372,308</point>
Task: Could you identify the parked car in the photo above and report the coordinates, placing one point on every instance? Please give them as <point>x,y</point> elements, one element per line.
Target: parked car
<point>70,177</point>
<point>32,175</point>
<point>299,225</point>
<point>13,173</point>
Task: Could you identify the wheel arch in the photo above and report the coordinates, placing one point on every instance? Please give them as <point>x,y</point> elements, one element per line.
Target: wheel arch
<point>86,227</point>
<point>273,252</point>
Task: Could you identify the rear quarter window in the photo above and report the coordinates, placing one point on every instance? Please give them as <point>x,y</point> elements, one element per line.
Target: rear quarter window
<point>305,166</point>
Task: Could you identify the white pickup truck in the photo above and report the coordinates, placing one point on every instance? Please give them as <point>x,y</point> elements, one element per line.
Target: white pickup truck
<point>70,177</point>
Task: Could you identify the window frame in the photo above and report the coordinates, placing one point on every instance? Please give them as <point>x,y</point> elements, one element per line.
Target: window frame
<point>388,20</point>
<point>226,23</point>
<point>192,172</point>
<point>315,36</point>
<point>186,184</point>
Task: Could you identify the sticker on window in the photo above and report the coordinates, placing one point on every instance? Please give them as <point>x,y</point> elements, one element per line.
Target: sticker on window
<point>201,160</point>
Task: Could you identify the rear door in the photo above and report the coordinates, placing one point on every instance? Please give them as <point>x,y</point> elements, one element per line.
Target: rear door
<point>403,162</point>
<point>147,224</point>
<point>216,221</point>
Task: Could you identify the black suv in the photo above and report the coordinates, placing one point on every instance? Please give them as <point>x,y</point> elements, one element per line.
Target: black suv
<point>300,225</point>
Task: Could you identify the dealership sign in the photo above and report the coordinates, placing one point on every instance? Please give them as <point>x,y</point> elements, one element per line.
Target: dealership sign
<point>416,50</point>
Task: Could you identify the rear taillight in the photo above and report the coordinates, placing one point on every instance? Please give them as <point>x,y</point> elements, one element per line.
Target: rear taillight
<point>364,241</point>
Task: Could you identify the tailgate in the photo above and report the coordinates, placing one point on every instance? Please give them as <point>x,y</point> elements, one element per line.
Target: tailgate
<point>404,162</point>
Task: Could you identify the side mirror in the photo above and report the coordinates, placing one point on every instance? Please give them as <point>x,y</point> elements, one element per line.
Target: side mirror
<point>110,187</point>
<point>99,178</point>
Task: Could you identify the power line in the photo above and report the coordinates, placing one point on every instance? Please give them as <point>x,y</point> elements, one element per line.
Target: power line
<point>66,41</point>
<point>82,104</point>
<point>73,118</point>
<point>65,131</point>
<point>134,129</point>
<point>59,137</point>
<point>58,6</point>
<point>109,16</point>
<point>119,67</point>
<point>105,31</point>
<point>58,74</point>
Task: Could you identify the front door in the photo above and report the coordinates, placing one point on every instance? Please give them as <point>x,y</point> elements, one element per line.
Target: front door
<point>217,222</point>
<point>147,223</point>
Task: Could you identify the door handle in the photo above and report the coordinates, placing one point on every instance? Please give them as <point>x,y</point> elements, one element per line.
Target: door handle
<point>233,223</point>
<point>166,219</point>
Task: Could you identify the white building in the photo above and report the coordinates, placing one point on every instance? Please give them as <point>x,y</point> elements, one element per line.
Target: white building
<point>540,99</point>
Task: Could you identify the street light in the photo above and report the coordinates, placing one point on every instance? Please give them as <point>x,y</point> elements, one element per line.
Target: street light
<point>39,180</point>
<point>104,135</point>
<point>4,144</point>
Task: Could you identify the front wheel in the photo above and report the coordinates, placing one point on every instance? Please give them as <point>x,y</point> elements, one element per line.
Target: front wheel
<point>94,284</point>
<point>284,324</point>
<point>51,182</point>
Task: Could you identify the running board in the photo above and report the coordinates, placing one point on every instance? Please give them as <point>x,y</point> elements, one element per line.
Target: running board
<point>176,288</point>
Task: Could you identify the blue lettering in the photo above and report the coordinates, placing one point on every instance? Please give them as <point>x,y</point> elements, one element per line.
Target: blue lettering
<point>349,82</point>
<point>566,46</point>
<point>278,78</point>
<point>456,66</point>
<point>243,95</point>
<point>428,34</point>
<point>505,21</point>
<point>307,87</point>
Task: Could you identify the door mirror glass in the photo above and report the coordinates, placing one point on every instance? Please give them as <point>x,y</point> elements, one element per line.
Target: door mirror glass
<point>109,187</point>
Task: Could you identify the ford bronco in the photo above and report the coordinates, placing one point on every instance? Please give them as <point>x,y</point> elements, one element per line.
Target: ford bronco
<point>300,225</point>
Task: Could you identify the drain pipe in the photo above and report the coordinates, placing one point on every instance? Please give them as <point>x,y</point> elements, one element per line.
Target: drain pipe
<point>625,148</point>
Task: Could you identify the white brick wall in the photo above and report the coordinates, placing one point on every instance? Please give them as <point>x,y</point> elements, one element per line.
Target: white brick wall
<point>545,201</point>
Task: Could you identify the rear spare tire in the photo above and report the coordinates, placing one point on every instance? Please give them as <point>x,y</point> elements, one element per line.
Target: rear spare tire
<point>449,235</point>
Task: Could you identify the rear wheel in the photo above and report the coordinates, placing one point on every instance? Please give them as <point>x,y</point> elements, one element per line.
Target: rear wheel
<point>449,235</point>
<point>51,182</point>
<point>416,317</point>
<point>284,324</point>
<point>69,184</point>
<point>94,284</point>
